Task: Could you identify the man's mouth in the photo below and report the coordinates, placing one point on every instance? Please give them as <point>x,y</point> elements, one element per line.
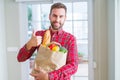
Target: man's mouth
<point>56,24</point>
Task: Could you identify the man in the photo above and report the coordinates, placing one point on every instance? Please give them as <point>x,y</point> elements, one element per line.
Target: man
<point>57,18</point>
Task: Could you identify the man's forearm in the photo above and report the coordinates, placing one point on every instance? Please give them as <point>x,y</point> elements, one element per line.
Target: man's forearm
<point>24,54</point>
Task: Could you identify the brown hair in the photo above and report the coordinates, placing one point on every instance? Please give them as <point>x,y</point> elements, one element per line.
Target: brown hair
<point>58,5</point>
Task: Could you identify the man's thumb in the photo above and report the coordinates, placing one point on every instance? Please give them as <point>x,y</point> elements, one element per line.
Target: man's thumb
<point>34,33</point>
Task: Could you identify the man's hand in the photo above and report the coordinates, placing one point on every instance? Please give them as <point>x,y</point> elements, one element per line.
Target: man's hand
<point>40,75</point>
<point>34,41</point>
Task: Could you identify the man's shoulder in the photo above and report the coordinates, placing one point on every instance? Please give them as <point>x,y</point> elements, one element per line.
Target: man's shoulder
<point>40,32</point>
<point>68,34</point>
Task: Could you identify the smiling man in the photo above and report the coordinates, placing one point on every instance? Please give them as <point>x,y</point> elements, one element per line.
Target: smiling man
<point>57,18</point>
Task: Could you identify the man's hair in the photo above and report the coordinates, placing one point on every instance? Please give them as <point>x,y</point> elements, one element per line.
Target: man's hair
<point>58,5</point>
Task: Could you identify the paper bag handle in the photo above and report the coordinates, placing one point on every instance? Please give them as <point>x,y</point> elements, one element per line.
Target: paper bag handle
<point>53,42</point>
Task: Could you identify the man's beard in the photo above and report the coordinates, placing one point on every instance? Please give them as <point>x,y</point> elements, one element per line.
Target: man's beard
<point>55,27</point>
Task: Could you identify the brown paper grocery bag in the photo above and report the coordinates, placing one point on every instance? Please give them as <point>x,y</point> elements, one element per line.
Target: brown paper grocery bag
<point>49,60</point>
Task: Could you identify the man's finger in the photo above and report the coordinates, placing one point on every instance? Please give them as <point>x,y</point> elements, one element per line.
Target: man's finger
<point>37,70</point>
<point>32,74</point>
<point>34,33</point>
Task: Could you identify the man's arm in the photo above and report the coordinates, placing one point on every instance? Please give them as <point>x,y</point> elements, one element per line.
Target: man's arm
<point>25,54</point>
<point>28,49</point>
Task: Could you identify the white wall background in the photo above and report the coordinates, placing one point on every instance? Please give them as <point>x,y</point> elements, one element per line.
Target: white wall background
<point>12,39</point>
<point>117,39</point>
<point>104,40</point>
<point>3,63</point>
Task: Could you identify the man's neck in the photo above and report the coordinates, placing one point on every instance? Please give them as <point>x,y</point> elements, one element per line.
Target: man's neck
<point>53,30</point>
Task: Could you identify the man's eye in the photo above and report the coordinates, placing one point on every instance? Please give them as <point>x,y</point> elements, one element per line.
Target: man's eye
<point>61,16</point>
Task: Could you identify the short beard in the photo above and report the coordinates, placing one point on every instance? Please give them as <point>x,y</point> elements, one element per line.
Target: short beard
<point>55,27</point>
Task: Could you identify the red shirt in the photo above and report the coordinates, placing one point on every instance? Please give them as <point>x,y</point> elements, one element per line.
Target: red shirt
<point>68,41</point>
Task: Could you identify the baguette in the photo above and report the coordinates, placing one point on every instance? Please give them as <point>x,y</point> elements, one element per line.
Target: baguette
<point>46,38</point>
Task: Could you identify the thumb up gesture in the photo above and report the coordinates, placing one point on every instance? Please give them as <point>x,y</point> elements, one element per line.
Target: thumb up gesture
<point>34,41</point>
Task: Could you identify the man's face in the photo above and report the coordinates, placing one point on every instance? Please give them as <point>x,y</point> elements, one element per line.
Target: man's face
<point>57,18</point>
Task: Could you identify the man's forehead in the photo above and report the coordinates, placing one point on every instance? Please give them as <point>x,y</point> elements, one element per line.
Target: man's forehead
<point>58,11</point>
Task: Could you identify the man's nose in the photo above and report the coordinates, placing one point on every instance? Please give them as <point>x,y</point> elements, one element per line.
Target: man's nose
<point>57,19</point>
